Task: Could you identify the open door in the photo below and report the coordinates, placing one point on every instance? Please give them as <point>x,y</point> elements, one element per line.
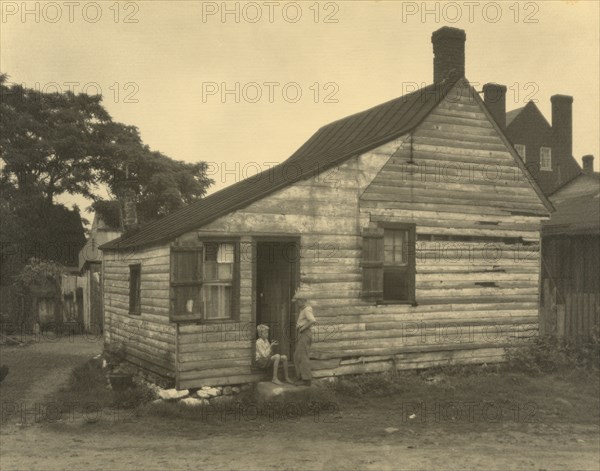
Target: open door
<point>276,279</point>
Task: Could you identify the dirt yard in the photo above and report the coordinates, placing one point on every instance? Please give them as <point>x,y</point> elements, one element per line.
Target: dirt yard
<point>536,424</point>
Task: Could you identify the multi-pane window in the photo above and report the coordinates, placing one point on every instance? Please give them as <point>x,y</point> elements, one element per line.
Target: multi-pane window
<point>217,289</point>
<point>388,263</point>
<point>397,274</point>
<point>135,298</point>
<point>203,281</point>
<point>545,158</point>
<point>522,151</point>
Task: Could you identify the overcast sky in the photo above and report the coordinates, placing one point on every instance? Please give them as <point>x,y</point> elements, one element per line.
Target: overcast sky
<point>162,66</point>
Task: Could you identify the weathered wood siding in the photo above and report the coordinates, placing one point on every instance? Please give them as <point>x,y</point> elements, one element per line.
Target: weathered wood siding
<point>477,251</point>
<point>477,255</point>
<point>148,338</point>
<point>323,210</point>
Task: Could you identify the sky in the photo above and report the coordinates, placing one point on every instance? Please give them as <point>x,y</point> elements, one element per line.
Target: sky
<point>242,85</point>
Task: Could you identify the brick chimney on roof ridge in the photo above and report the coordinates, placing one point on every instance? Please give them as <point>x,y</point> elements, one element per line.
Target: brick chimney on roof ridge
<point>494,97</point>
<point>588,164</point>
<point>562,124</point>
<point>448,53</point>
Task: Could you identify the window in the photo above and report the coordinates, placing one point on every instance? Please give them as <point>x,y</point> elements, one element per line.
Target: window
<point>204,281</point>
<point>389,263</point>
<point>135,298</point>
<point>545,158</point>
<point>521,150</point>
<point>217,290</point>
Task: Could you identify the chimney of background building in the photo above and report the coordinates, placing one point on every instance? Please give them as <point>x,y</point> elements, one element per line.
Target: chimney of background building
<point>448,53</point>
<point>588,164</point>
<point>562,124</point>
<point>494,97</point>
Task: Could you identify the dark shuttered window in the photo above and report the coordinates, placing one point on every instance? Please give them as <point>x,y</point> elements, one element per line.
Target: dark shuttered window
<point>372,264</point>
<point>135,291</point>
<point>204,282</point>
<point>388,263</point>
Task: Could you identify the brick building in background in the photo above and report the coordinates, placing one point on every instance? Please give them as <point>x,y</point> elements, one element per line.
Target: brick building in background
<point>546,149</point>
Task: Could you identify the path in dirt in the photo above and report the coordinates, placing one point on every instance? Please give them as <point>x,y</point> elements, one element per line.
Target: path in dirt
<point>137,446</point>
<point>37,370</point>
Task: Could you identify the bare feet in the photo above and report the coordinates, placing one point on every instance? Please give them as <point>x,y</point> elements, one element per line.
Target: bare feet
<point>276,381</point>
<point>288,380</point>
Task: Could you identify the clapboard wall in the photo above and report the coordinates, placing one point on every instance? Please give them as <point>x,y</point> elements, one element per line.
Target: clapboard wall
<point>148,338</point>
<point>477,223</point>
<point>323,211</point>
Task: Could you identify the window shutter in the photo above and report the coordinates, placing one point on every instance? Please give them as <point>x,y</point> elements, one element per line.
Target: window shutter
<point>186,284</point>
<point>235,308</point>
<point>412,261</point>
<point>372,263</point>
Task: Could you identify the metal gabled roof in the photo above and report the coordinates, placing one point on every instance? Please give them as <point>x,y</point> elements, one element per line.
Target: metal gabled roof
<point>329,146</point>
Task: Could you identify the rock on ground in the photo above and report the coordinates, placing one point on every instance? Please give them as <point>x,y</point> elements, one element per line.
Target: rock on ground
<point>172,394</point>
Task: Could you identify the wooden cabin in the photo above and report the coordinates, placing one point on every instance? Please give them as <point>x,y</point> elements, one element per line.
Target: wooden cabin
<point>414,226</point>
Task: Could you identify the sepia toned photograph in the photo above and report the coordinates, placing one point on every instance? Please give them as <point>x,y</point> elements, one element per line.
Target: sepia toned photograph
<point>300,235</point>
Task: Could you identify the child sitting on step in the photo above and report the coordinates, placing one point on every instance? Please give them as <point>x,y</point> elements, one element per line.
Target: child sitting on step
<point>265,357</point>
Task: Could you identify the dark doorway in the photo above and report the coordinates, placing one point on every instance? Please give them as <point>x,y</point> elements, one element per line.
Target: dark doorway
<point>277,262</point>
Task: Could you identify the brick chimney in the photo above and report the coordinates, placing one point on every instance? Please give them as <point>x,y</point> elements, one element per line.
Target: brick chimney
<point>562,124</point>
<point>128,206</point>
<point>448,53</point>
<point>588,164</point>
<point>494,97</point>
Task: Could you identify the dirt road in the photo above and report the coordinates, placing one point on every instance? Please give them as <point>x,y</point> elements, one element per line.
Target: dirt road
<point>361,437</point>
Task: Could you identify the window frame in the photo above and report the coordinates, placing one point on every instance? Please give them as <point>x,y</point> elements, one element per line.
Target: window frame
<point>201,317</point>
<point>409,268</point>
<point>135,292</point>
<point>374,269</point>
<point>549,158</point>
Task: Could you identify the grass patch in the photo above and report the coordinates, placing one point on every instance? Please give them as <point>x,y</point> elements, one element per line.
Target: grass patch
<point>550,354</point>
<point>569,396</point>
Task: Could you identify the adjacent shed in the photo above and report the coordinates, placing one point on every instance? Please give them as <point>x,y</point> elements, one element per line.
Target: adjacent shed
<point>571,258</point>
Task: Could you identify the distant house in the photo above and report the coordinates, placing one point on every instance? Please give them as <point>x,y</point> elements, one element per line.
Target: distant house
<point>547,150</point>
<point>105,227</point>
<point>413,253</point>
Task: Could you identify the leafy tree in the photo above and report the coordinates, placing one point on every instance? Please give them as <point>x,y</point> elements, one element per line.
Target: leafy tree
<point>57,143</point>
<point>53,144</point>
<point>49,142</point>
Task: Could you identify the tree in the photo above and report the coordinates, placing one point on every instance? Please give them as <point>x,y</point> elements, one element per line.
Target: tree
<point>161,184</point>
<point>62,143</point>
<point>57,143</point>
<point>49,142</point>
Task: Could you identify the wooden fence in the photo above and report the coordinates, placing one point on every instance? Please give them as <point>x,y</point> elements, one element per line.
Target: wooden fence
<point>571,315</point>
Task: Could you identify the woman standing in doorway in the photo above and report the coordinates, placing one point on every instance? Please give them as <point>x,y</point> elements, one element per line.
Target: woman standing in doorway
<point>306,320</point>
